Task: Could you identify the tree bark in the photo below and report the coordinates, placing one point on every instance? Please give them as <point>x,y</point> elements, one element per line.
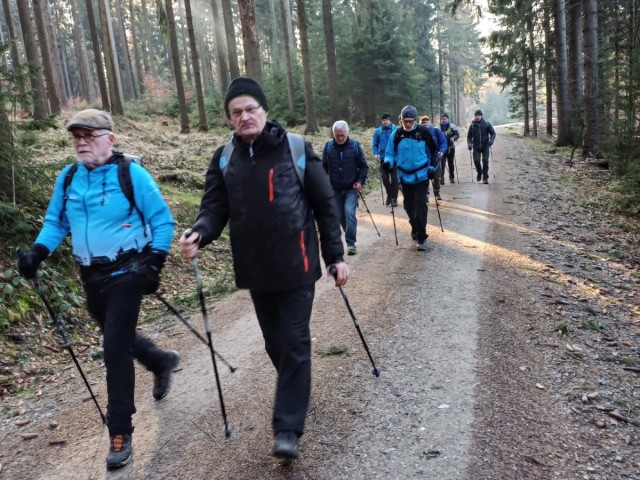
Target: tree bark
<point>97,55</point>
<point>15,55</point>
<point>177,71</point>
<point>332,72</point>
<point>310,111</point>
<point>219,50</point>
<point>250,42</point>
<point>54,51</point>
<point>111,62</point>
<point>47,63</point>
<point>232,48</point>
<point>548,70</point>
<point>202,116</point>
<point>591,120</point>
<point>40,104</point>
<point>576,71</point>
<point>124,59</point>
<point>150,51</point>
<point>81,52</point>
<point>139,74</point>
<point>532,62</point>
<point>563,111</point>
<point>291,120</point>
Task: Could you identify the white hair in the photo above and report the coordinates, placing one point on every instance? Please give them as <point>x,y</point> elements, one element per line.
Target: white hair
<point>340,125</point>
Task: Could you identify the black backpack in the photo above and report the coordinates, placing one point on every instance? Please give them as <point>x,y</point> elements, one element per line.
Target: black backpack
<point>421,132</point>
<point>124,177</point>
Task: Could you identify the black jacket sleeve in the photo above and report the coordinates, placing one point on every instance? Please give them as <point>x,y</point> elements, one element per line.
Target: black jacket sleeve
<point>363,166</point>
<point>320,196</point>
<point>214,206</point>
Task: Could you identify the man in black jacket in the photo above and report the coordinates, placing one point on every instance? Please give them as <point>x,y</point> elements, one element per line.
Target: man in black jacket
<point>480,137</point>
<point>271,212</point>
<point>344,161</point>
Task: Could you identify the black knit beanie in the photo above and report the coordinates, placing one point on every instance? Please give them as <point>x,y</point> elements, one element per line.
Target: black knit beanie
<point>245,86</point>
<point>409,112</point>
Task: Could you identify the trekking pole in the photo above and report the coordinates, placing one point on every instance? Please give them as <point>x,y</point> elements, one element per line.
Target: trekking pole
<point>65,341</point>
<point>437,207</point>
<point>381,189</point>
<point>395,231</point>
<point>455,164</point>
<point>367,208</point>
<point>471,159</point>
<point>376,370</point>
<point>205,319</point>
<point>173,310</point>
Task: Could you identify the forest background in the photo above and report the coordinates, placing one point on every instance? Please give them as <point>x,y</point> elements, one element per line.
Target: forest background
<point>569,70</point>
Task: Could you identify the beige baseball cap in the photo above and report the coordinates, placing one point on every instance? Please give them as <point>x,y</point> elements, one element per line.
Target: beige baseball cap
<point>91,119</point>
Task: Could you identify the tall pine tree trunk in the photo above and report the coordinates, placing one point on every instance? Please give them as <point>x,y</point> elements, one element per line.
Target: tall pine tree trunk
<point>150,52</point>
<point>532,62</point>
<point>576,71</point>
<point>220,51</point>
<point>47,61</point>
<point>124,59</point>
<point>40,104</point>
<point>15,55</point>
<point>197,77</point>
<point>563,111</point>
<point>591,120</point>
<point>310,111</point>
<point>54,51</point>
<point>250,41</point>
<point>177,71</point>
<point>139,74</point>
<point>81,52</point>
<point>232,47</point>
<point>291,120</point>
<point>332,72</point>
<point>95,42</point>
<point>548,70</point>
<point>111,62</point>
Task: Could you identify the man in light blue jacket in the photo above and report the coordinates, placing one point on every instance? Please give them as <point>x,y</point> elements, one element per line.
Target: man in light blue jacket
<point>378,146</point>
<point>121,231</point>
<point>410,149</point>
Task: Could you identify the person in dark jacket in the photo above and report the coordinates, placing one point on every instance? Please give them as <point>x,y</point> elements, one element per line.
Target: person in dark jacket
<point>343,159</point>
<point>120,257</point>
<point>441,142</point>
<point>272,220</point>
<point>480,137</point>
<point>451,134</point>
<point>410,149</point>
<point>381,136</point>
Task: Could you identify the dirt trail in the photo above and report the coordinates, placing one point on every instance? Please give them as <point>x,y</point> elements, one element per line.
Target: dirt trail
<point>456,331</point>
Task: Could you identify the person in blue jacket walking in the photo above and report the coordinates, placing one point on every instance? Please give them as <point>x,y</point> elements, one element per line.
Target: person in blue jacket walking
<point>344,161</point>
<point>441,142</point>
<point>120,251</point>
<point>381,136</point>
<point>410,150</point>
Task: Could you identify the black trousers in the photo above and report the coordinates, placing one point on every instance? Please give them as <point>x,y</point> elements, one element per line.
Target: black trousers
<point>449,161</point>
<point>390,181</point>
<point>415,204</point>
<point>284,320</point>
<point>115,305</point>
<point>482,154</point>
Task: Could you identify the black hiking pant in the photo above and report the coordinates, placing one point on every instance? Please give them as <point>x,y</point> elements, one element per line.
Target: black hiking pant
<point>390,181</point>
<point>449,161</point>
<point>115,304</point>
<point>415,204</point>
<point>481,154</point>
<point>284,320</point>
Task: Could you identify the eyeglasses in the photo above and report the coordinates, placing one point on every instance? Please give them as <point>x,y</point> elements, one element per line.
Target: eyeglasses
<point>237,113</point>
<point>87,138</point>
<point>408,121</point>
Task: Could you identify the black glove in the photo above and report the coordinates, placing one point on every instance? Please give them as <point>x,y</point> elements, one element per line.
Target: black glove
<point>29,262</point>
<point>431,172</point>
<point>386,166</point>
<point>150,270</point>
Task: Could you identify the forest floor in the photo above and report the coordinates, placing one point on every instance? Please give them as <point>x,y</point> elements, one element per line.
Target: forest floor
<point>508,350</point>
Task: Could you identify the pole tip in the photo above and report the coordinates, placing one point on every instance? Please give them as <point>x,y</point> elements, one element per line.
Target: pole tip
<point>227,431</point>
<point>376,371</point>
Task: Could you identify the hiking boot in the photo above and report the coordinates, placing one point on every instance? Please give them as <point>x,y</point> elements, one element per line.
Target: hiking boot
<point>422,246</point>
<point>452,180</point>
<point>351,250</point>
<point>286,445</point>
<point>394,202</point>
<point>120,448</point>
<point>388,202</point>
<point>479,177</point>
<point>442,181</point>
<point>485,180</point>
<point>437,195</point>
<point>162,380</point>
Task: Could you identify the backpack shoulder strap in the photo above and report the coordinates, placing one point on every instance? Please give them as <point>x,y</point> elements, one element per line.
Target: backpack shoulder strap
<point>65,187</point>
<point>124,178</point>
<point>296,146</point>
<point>298,155</point>
<point>356,146</point>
